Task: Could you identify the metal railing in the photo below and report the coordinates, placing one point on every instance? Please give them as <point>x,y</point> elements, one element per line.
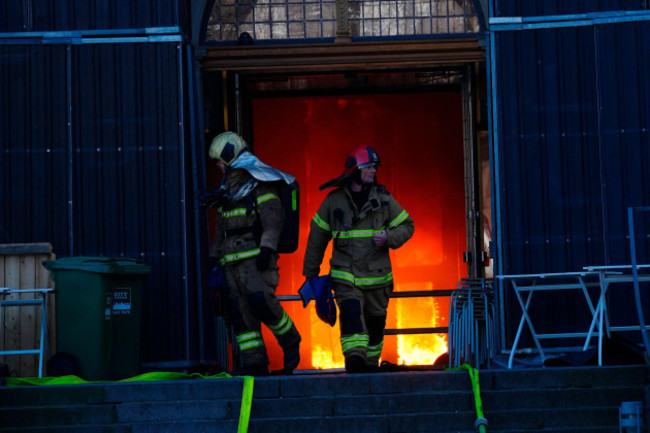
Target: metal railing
<point>407,294</point>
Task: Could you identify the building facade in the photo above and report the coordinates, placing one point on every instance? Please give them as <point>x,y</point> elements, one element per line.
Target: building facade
<point>526,125</point>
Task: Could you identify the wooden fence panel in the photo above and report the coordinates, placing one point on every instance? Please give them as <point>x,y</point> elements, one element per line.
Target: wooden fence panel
<point>21,268</point>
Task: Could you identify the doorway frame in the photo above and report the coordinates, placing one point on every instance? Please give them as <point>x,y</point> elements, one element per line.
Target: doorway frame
<point>234,64</point>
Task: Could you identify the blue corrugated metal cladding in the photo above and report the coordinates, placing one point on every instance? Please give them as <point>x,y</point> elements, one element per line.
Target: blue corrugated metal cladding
<point>572,152</point>
<point>96,148</point>
<point>93,161</point>
<point>48,15</point>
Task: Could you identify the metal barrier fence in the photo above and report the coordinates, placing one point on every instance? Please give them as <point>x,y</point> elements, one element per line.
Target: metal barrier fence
<point>472,331</point>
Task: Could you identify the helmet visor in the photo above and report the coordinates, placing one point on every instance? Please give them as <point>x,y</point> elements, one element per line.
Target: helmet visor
<point>369,164</point>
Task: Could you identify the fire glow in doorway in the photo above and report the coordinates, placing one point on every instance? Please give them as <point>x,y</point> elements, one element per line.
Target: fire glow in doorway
<point>418,137</point>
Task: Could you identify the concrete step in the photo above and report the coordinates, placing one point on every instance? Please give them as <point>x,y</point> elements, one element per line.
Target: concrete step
<point>569,377</point>
<point>122,392</point>
<point>525,401</point>
<point>326,385</point>
<point>287,412</point>
<point>560,397</point>
<point>573,429</point>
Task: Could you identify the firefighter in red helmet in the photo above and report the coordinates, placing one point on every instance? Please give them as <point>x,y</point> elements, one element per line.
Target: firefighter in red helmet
<point>364,221</point>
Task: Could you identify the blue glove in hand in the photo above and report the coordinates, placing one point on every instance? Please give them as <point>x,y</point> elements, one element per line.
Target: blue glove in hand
<point>262,261</point>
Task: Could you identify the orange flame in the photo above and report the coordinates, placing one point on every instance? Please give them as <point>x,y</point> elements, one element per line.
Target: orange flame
<point>420,349</point>
<point>326,347</point>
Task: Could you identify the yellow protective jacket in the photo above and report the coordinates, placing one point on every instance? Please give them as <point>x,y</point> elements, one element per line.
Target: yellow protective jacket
<point>356,260</point>
<point>252,222</point>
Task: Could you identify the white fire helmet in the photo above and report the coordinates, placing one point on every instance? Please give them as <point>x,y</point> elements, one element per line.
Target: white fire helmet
<point>226,147</point>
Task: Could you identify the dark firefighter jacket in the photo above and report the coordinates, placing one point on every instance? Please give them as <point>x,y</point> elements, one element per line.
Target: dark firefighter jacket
<point>356,260</point>
<point>244,226</point>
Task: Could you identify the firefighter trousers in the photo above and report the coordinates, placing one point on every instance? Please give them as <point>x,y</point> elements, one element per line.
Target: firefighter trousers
<point>363,320</point>
<point>252,301</point>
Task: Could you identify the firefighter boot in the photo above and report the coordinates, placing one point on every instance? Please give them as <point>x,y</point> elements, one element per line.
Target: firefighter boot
<point>291,358</point>
<point>355,364</point>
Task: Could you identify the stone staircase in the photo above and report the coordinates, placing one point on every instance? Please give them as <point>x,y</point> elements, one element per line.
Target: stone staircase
<point>563,400</point>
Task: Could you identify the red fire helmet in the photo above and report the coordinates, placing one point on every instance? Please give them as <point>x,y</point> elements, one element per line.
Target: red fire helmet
<point>361,157</point>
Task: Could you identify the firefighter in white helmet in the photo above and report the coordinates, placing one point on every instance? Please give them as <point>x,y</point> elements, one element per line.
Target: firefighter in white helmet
<point>364,221</point>
<point>248,227</point>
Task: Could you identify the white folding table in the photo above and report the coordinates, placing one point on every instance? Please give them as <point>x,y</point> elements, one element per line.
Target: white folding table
<point>608,275</point>
<point>525,285</point>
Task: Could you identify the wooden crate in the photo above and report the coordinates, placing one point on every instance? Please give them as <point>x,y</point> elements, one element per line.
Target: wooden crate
<point>21,268</point>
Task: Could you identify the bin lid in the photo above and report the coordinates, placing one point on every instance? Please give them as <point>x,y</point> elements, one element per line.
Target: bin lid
<point>100,265</point>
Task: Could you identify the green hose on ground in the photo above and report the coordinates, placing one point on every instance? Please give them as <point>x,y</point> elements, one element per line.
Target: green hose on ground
<point>481,422</point>
<point>246,401</point>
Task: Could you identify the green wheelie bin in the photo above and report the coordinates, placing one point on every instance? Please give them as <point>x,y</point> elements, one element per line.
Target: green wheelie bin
<point>98,315</point>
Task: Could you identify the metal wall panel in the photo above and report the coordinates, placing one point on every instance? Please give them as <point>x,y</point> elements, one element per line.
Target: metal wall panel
<point>48,15</point>
<point>33,144</point>
<point>548,152</point>
<point>571,150</point>
<point>548,192</point>
<point>11,16</point>
<point>94,160</point>
<point>129,176</point>
<point>518,8</point>
<point>623,68</point>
